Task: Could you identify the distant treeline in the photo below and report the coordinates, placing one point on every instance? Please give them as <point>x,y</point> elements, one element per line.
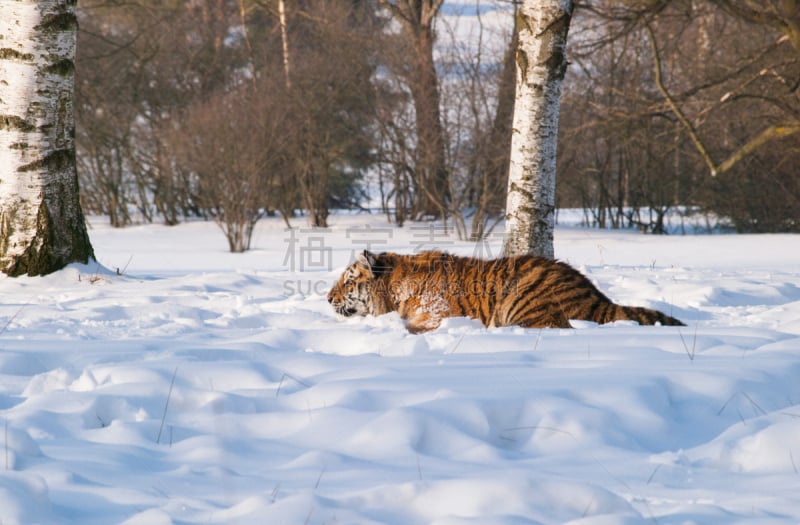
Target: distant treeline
<point>233,109</point>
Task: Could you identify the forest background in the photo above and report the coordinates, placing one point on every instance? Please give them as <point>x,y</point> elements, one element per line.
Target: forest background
<point>236,109</point>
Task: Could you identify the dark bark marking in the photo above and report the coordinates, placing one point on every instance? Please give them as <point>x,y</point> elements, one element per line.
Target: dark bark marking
<point>9,54</point>
<point>54,161</point>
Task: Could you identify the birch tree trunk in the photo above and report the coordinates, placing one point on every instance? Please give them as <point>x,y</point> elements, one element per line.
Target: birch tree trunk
<point>541,64</point>
<point>42,227</point>
<point>284,41</point>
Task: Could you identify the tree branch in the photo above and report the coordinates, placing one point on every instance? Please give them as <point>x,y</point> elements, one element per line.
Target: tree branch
<point>701,148</point>
<point>396,11</point>
<point>774,132</point>
<point>771,133</point>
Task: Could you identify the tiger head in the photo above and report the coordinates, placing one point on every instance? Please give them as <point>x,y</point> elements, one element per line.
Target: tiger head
<point>351,293</point>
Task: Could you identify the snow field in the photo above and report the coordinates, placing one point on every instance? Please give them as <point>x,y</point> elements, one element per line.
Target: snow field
<point>205,387</point>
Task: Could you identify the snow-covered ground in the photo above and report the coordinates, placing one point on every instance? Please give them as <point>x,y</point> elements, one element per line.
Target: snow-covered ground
<point>205,387</point>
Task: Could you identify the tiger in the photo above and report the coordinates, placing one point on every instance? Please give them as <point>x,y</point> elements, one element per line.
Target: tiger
<point>526,291</point>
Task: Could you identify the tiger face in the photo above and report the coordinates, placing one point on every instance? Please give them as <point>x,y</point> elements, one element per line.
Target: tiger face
<point>351,294</point>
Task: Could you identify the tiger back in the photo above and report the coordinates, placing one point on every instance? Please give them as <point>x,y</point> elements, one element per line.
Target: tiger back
<point>527,291</point>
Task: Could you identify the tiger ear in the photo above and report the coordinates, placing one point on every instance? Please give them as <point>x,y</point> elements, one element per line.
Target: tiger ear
<point>367,259</point>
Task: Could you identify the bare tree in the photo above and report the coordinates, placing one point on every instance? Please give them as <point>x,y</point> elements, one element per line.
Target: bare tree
<point>541,65</point>
<point>284,43</point>
<point>782,16</point>
<point>331,99</point>
<point>42,227</point>
<point>661,94</point>
<point>621,158</point>
<point>477,72</point>
<point>394,151</point>
<point>106,108</point>
<point>140,65</point>
<point>494,160</point>
<point>234,147</point>
<point>430,168</point>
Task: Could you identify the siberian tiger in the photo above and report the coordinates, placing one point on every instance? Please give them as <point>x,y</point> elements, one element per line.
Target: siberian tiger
<point>527,291</point>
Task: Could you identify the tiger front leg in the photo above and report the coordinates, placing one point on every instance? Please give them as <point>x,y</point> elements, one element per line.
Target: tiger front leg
<point>423,322</point>
<point>418,313</point>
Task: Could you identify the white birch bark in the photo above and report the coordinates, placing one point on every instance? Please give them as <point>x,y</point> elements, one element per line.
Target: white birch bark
<point>541,64</point>
<point>284,41</point>
<point>42,227</point>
